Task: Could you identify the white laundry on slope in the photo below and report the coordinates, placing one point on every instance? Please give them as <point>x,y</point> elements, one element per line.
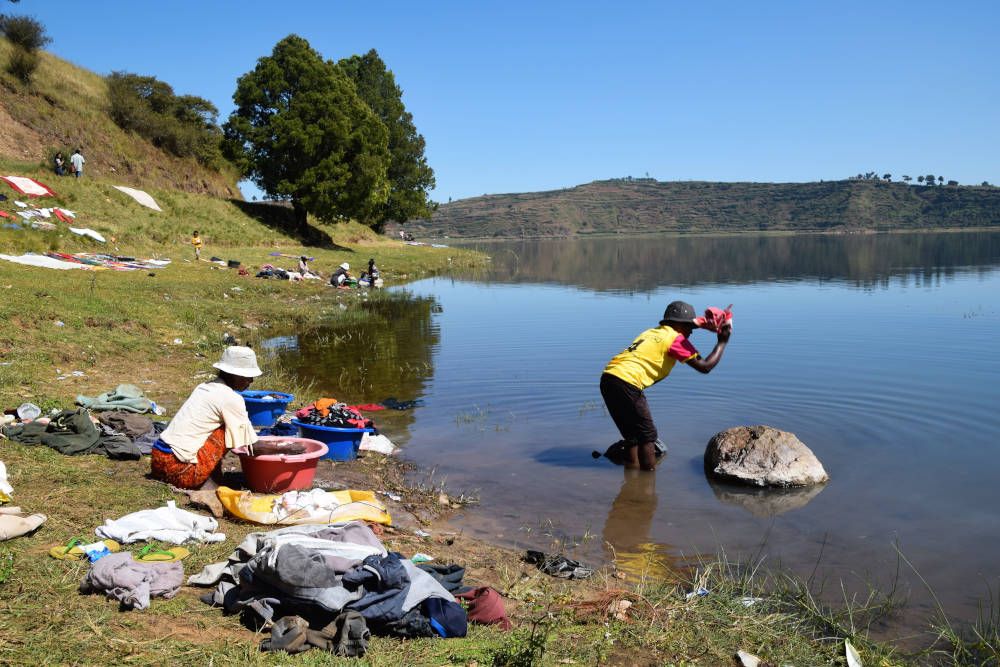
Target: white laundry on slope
<point>164,524</point>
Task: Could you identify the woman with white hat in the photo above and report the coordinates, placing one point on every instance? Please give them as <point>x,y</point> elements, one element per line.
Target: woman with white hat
<point>341,275</point>
<point>214,418</point>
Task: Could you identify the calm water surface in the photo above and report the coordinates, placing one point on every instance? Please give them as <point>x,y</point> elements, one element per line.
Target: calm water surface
<point>879,352</point>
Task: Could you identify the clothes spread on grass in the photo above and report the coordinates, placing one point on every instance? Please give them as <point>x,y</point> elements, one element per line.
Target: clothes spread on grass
<point>132,583</point>
<point>74,432</point>
<point>14,522</point>
<point>163,524</point>
<point>140,196</point>
<point>317,572</point>
<point>31,259</point>
<point>124,397</point>
<point>113,262</point>
<point>127,423</point>
<point>28,186</point>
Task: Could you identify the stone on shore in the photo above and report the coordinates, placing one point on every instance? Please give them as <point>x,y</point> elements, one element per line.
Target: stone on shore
<point>762,456</point>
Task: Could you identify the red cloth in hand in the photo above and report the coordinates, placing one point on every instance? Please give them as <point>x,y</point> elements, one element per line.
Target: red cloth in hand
<point>715,318</point>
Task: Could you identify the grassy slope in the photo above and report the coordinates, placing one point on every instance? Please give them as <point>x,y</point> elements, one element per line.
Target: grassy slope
<point>66,107</point>
<point>614,207</point>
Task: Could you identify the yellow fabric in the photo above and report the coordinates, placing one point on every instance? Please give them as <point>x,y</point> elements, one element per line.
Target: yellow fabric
<point>257,508</point>
<point>645,362</point>
<point>196,241</point>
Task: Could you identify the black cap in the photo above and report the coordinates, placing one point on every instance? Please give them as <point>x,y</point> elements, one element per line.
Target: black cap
<point>678,311</point>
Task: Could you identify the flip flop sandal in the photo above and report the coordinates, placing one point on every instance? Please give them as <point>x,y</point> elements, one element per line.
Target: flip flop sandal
<point>73,549</point>
<point>151,554</point>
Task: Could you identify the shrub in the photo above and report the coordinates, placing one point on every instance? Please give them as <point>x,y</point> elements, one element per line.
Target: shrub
<point>184,125</point>
<point>22,64</point>
<point>25,32</point>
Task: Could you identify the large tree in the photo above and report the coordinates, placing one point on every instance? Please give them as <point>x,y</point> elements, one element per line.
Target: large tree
<point>302,134</point>
<point>410,177</point>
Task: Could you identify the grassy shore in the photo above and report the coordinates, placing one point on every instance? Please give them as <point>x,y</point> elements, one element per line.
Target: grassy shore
<point>162,329</point>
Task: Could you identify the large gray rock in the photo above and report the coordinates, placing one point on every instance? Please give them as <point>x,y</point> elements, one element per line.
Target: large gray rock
<point>762,456</point>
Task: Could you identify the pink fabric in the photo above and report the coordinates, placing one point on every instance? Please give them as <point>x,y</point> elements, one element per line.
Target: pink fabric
<point>715,318</point>
<point>682,349</point>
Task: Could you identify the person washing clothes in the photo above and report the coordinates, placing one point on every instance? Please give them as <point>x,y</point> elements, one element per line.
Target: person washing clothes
<point>304,268</point>
<point>649,359</point>
<point>188,454</point>
<point>341,275</point>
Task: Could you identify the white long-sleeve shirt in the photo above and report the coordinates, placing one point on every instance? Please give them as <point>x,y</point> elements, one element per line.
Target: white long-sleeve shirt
<point>211,405</point>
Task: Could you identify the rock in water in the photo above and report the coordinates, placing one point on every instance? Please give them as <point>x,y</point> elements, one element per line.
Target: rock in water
<point>762,456</point>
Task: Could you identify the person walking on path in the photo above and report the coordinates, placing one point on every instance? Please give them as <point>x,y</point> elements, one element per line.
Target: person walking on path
<point>197,243</point>
<point>77,160</point>
<point>649,359</point>
<point>188,454</point>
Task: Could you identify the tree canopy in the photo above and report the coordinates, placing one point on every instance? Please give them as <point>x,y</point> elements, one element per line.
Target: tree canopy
<point>301,132</point>
<point>184,125</point>
<point>410,177</point>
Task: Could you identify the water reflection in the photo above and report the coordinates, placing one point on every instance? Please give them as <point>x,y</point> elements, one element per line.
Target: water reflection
<point>765,503</point>
<point>384,351</point>
<point>627,528</point>
<point>650,262</point>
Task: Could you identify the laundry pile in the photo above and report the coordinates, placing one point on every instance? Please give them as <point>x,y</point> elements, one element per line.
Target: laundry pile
<point>120,431</point>
<point>303,579</point>
<point>114,262</point>
<point>330,412</point>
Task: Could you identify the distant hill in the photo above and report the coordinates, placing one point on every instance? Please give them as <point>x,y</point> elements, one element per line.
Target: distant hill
<point>66,107</point>
<point>646,206</point>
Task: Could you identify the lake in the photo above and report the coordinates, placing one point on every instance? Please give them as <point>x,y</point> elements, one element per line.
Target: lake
<point>877,351</point>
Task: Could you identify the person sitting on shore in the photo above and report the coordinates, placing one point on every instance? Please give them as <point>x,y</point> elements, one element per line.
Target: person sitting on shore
<point>305,270</point>
<point>341,275</point>
<point>188,454</point>
<point>371,275</point>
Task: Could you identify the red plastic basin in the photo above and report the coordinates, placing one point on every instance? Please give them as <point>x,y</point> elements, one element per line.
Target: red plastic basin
<point>277,473</point>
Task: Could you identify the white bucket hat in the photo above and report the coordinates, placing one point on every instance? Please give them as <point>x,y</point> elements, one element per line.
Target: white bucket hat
<point>239,361</point>
<point>345,266</point>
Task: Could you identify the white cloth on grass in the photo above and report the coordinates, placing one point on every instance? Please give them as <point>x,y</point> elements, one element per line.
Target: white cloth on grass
<point>83,231</point>
<point>31,259</point>
<point>164,524</point>
<point>140,196</point>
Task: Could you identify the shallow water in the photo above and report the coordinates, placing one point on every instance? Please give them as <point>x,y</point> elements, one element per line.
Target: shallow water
<point>877,351</point>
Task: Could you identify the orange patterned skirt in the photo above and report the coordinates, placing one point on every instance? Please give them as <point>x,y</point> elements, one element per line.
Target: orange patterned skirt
<point>166,467</point>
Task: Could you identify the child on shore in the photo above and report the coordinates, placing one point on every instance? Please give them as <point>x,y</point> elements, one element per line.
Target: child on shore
<point>197,243</point>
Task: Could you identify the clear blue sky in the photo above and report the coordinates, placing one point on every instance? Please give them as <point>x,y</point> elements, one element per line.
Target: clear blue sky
<point>524,96</point>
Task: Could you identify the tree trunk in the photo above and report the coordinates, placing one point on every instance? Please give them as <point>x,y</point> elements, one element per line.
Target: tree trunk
<point>301,216</point>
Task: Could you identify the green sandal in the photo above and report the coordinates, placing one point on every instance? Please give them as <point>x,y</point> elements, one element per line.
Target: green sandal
<point>153,554</point>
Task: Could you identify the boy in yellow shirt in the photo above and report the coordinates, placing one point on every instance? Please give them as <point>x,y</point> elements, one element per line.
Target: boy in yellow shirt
<point>196,242</point>
<point>649,359</point>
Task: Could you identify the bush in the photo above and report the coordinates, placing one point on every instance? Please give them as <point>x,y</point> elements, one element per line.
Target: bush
<point>25,32</point>
<point>22,64</point>
<point>183,125</point>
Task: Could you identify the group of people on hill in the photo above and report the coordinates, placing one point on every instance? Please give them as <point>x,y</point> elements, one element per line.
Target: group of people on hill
<point>75,163</point>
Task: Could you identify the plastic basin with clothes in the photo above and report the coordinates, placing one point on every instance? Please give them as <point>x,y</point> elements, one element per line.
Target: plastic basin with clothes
<point>264,407</point>
<point>342,443</point>
<point>277,473</point>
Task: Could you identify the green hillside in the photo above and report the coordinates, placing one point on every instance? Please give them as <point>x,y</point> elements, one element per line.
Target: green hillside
<point>67,107</point>
<point>646,206</point>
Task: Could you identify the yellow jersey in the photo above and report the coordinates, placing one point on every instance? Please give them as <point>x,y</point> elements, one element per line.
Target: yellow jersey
<point>651,356</point>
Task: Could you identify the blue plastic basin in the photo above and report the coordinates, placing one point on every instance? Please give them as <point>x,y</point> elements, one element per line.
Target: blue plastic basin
<point>265,412</point>
<point>342,443</point>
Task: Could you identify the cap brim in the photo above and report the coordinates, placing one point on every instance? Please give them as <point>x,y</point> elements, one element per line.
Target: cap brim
<point>241,372</point>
